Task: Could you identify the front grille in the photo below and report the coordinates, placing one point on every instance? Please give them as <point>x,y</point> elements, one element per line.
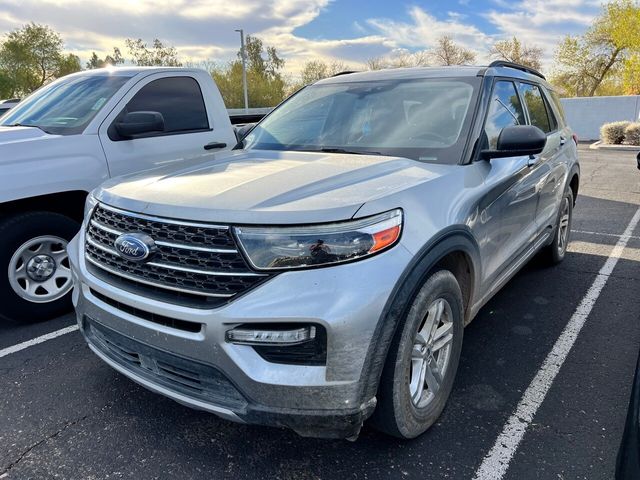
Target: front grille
<point>195,264</point>
<point>188,377</point>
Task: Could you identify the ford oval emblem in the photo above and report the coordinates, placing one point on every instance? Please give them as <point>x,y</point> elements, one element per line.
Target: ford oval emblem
<point>135,247</point>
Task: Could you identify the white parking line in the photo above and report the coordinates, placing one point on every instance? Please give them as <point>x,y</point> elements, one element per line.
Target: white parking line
<point>35,341</point>
<point>586,232</point>
<point>496,463</point>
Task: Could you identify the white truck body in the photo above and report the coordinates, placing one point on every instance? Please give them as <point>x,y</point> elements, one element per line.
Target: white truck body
<point>34,163</point>
<point>70,136</point>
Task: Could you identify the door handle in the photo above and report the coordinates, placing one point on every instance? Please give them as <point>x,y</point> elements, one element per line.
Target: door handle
<point>563,140</point>
<point>214,145</point>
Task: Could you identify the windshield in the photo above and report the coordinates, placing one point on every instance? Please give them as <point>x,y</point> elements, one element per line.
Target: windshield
<point>67,106</point>
<point>425,119</point>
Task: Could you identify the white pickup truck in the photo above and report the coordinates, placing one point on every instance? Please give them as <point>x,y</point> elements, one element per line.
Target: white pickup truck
<point>70,136</point>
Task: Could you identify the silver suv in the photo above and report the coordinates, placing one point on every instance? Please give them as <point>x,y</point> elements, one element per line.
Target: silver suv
<point>323,272</point>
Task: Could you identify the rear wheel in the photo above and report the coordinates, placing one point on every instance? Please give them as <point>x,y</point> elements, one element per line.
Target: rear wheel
<point>35,275</point>
<point>423,359</point>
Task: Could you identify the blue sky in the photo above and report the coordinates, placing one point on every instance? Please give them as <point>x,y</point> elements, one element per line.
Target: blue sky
<point>350,31</point>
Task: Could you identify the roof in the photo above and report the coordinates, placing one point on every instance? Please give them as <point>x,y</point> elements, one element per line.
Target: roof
<point>131,71</point>
<point>434,72</point>
<point>405,74</point>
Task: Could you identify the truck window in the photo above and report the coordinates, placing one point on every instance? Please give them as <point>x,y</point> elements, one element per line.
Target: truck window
<point>178,99</point>
<point>66,106</point>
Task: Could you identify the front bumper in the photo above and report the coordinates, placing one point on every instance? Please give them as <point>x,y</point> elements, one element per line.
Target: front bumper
<point>323,401</point>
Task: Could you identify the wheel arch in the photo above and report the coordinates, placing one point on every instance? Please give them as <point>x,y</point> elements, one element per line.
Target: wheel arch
<point>445,251</point>
<point>573,181</point>
<point>69,203</point>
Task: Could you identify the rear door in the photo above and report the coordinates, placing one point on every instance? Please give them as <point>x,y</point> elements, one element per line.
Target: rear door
<point>550,164</point>
<point>188,125</point>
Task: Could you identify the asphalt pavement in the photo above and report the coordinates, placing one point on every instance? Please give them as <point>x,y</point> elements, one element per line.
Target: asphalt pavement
<point>65,414</point>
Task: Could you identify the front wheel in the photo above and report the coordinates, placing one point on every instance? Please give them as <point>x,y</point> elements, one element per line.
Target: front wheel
<point>423,359</point>
<point>35,275</point>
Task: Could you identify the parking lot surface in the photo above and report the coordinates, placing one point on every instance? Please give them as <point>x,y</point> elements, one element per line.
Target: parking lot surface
<point>65,414</point>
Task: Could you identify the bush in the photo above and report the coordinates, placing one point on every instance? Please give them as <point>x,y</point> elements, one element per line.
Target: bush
<point>632,134</point>
<point>613,133</point>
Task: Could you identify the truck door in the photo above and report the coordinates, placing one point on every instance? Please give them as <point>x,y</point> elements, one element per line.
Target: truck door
<point>188,126</point>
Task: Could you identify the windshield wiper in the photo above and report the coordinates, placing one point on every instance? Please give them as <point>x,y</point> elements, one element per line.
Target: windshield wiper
<point>26,125</point>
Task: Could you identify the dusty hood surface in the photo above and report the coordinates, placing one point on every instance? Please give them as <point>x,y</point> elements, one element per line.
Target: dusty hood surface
<point>267,187</point>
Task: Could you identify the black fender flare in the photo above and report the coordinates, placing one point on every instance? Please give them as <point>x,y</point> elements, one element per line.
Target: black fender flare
<point>455,238</point>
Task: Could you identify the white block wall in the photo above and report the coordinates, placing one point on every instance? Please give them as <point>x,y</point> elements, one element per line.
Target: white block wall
<point>587,114</point>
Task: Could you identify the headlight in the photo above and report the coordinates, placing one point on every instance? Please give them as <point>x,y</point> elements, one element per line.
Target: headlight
<point>316,245</point>
<point>88,205</point>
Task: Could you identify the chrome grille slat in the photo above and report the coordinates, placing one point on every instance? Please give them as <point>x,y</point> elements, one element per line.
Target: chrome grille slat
<point>192,258</point>
<point>161,220</point>
<point>168,244</point>
<point>135,279</point>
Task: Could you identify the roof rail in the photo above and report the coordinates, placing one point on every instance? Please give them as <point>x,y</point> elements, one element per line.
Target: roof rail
<point>517,66</point>
<point>10,100</point>
<point>346,72</point>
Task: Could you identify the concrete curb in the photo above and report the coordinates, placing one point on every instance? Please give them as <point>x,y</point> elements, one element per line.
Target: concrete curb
<point>606,146</point>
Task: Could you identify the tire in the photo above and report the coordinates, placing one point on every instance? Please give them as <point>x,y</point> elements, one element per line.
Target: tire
<point>402,410</point>
<point>45,291</point>
<point>556,251</point>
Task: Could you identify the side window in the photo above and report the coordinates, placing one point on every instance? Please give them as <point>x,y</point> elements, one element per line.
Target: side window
<point>178,99</point>
<point>538,111</point>
<point>505,110</point>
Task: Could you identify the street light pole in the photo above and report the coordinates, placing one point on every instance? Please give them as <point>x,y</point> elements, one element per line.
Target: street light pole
<point>244,70</point>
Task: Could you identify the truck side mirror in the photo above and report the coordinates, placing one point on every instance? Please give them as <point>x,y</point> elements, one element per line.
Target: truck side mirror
<point>517,140</point>
<point>138,123</point>
<point>243,130</point>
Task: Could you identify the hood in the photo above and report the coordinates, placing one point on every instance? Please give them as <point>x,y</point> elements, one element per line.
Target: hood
<point>267,187</point>
<point>20,134</point>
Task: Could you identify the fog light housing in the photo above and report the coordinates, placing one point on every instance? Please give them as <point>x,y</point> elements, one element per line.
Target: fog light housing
<point>271,336</point>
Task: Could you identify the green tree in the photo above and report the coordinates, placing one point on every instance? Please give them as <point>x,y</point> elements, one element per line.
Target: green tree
<point>315,70</point>
<point>109,60</point>
<point>67,64</point>
<point>590,64</point>
<point>517,52</point>
<point>158,54</point>
<point>446,52</point>
<point>31,56</point>
<point>265,83</point>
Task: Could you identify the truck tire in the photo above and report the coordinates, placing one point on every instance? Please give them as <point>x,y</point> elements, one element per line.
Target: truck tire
<point>423,359</point>
<point>35,278</point>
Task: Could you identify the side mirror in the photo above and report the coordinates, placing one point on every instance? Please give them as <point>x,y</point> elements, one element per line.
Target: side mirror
<point>243,130</point>
<point>517,140</point>
<point>138,123</point>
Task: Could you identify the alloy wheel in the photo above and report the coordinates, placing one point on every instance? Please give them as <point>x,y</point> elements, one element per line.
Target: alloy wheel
<point>431,353</point>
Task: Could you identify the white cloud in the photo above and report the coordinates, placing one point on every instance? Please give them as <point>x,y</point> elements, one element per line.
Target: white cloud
<point>204,29</point>
<point>544,22</point>
<point>424,30</point>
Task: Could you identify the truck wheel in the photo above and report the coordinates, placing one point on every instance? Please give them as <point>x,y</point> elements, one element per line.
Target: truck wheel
<point>556,251</point>
<point>35,278</point>
<point>423,359</point>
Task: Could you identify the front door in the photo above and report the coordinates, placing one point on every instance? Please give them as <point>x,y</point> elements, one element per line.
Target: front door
<point>188,125</point>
